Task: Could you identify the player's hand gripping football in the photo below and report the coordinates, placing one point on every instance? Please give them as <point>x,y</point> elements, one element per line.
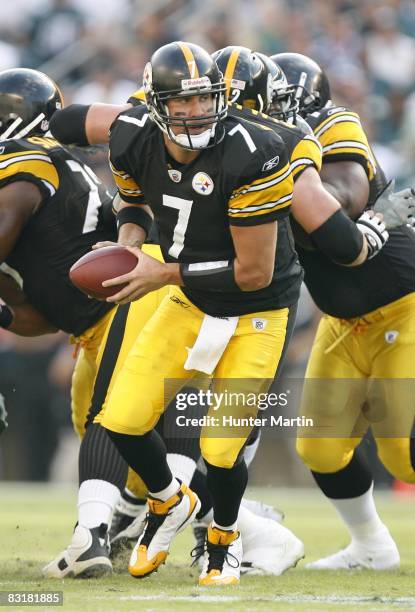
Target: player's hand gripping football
<point>397,208</point>
<point>149,275</point>
<point>372,227</point>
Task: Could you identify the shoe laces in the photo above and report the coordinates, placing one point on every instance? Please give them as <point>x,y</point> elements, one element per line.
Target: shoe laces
<point>197,552</point>
<point>153,522</point>
<point>218,554</point>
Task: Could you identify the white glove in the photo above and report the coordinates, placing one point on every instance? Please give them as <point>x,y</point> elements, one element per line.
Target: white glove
<point>397,208</point>
<point>374,231</point>
<point>3,414</point>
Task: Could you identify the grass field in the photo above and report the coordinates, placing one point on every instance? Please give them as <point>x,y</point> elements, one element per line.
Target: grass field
<point>36,523</point>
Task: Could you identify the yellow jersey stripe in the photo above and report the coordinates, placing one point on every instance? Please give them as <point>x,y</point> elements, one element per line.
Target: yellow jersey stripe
<point>39,166</point>
<point>269,208</point>
<point>270,177</point>
<point>341,113</point>
<point>139,95</point>
<point>19,154</point>
<point>301,164</point>
<point>336,120</point>
<point>124,182</point>
<point>230,69</point>
<point>262,186</point>
<point>190,59</point>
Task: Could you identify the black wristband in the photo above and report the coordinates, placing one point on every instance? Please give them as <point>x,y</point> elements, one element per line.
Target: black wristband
<point>339,238</point>
<point>68,125</point>
<point>6,316</point>
<point>209,275</point>
<point>136,215</point>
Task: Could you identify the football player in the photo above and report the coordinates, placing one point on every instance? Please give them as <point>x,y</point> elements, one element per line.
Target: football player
<point>98,114</point>
<point>366,335</point>
<point>52,210</point>
<point>216,186</point>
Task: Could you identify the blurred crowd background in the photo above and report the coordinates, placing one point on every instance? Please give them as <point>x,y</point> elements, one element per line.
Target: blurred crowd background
<point>96,51</point>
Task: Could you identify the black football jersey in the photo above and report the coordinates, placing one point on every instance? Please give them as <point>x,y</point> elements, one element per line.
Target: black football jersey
<point>244,180</point>
<point>350,292</point>
<point>68,222</point>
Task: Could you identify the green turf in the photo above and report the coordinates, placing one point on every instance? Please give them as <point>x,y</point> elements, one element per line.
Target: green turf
<point>35,524</point>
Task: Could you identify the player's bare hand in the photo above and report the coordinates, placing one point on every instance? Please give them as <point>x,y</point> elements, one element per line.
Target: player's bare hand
<point>149,275</point>
<point>104,243</point>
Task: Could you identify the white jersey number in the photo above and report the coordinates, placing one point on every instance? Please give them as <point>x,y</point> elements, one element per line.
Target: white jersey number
<point>184,207</point>
<point>94,201</point>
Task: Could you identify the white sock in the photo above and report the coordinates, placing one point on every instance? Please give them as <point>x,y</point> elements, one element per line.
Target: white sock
<point>128,507</point>
<point>207,519</point>
<point>232,527</point>
<point>250,451</point>
<point>96,502</point>
<point>181,466</point>
<point>166,493</point>
<point>360,516</point>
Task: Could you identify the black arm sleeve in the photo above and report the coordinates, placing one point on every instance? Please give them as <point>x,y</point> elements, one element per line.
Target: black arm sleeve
<point>338,238</point>
<point>68,125</point>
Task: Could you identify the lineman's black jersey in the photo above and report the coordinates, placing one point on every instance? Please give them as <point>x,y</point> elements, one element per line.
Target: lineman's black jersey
<point>350,292</point>
<point>68,222</point>
<point>244,180</point>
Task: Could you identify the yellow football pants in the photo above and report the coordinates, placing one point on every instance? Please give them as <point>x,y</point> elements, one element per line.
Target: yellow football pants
<point>92,345</point>
<point>366,372</point>
<point>139,395</point>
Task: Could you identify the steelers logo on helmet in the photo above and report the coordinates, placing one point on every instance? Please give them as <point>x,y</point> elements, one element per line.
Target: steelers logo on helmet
<point>202,183</point>
<point>147,78</point>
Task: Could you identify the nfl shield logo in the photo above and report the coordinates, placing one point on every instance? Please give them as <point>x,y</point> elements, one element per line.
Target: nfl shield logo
<point>390,336</point>
<point>175,175</point>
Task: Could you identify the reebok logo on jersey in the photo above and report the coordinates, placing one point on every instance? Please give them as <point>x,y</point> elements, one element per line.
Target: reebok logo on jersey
<point>271,163</point>
<point>177,300</point>
<point>202,183</point>
<point>259,324</point>
<point>391,336</point>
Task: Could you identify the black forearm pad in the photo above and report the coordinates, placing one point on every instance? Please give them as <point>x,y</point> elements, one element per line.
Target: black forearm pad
<point>209,275</point>
<point>68,125</point>
<point>338,238</point>
<point>136,215</point>
<point>6,316</point>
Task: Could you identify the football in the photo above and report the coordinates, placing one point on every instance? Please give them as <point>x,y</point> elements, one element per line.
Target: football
<point>89,272</point>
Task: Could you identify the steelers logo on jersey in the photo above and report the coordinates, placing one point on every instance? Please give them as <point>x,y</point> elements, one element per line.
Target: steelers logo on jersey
<point>202,183</point>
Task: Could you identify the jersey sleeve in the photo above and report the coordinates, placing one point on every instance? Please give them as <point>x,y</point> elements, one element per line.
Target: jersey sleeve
<point>137,97</point>
<point>307,153</point>
<point>265,191</point>
<point>18,163</point>
<point>343,139</point>
<point>127,187</point>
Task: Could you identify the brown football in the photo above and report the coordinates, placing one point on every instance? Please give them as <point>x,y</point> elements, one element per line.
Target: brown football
<point>89,272</point>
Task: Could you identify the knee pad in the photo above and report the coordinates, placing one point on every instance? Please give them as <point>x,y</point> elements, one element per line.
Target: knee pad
<point>326,455</point>
<point>395,454</point>
<point>221,452</point>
